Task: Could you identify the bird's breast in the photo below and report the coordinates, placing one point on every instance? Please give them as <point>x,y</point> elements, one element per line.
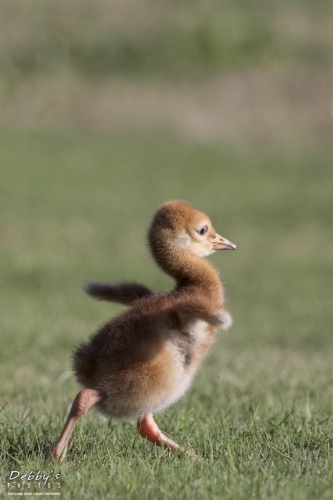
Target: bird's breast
<point>193,342</point>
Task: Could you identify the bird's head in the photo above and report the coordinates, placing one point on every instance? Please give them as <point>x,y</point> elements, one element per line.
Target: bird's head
<point>178,227</point>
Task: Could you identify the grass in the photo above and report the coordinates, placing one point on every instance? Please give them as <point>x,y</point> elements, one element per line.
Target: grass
<point>163,38</point>
<point>75,208</point>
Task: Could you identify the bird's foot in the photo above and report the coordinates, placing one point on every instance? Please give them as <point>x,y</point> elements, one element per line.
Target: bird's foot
<point>52,451</point>
<point>193,456</point>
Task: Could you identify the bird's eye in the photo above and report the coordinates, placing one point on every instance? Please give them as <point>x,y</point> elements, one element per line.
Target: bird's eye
<point>203,230</point>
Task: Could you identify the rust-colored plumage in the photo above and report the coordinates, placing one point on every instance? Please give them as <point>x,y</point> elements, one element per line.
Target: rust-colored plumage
<point>144,359</point>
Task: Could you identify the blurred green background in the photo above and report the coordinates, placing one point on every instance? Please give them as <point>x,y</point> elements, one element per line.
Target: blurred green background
<point>108,109</point>
<point>237,71</point>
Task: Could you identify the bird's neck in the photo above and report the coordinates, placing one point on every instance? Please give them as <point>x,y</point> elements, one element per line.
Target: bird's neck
<point>194,274</point>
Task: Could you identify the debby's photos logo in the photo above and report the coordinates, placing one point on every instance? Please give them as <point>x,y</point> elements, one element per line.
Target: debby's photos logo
<point>33,483</point>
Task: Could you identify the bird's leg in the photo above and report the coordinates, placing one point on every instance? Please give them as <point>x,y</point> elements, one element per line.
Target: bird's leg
<point>149,429</point>
<point>81,404</point>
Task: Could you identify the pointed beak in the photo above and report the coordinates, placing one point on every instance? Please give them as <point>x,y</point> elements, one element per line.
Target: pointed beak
<point>220,243</point>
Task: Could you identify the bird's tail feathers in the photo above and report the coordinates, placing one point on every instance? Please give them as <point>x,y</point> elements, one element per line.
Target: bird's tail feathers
<point>122,293</point>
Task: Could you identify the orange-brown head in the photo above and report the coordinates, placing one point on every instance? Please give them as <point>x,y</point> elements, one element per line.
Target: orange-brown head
<point>178,229</point>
